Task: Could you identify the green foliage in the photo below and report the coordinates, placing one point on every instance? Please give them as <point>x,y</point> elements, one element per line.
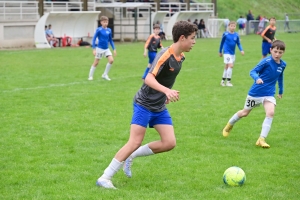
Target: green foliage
<point>270,8</point>
<point>59,131</point>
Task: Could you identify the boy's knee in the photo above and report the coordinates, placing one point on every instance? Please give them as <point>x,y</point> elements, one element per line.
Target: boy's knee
<point>171,145</point>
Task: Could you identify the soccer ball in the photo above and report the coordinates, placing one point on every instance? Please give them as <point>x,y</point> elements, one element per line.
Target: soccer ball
<point>234,176</point>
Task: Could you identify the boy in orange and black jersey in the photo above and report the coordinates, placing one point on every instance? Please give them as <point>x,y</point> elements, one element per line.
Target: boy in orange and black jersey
<point>268,36</point>
<point>152,44</point>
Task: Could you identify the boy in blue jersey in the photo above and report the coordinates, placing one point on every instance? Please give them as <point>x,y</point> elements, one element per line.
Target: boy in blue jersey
<point>152,44</point>
<point>104,36</point>
<point>150,105</point>
<point>266,73</point>
<point>229,40</point>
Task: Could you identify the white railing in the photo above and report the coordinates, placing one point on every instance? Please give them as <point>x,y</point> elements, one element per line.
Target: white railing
<point>28,10</point>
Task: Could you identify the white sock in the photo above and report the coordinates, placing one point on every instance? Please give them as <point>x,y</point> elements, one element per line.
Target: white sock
<point>107,68</point>
<point>266,126</point>
<point>229,72</point>
<point>142,151</point>
<point>92,70</point>
<point>234,119</point>
<point>225,73</point>
<point>112,169</point>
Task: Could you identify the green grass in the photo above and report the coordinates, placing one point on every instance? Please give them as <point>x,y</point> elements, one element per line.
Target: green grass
<point>270,8</point>
<point>60,131</point>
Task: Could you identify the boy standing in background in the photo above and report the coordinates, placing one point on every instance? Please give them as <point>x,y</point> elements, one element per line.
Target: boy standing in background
<point>152,44</point>
<point>104,35</point>
<point>229,40</point>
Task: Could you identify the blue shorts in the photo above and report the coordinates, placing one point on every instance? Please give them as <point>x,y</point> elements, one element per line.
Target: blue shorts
<point>143,117</point>
<point>151,55</point>
<point>266,48</point>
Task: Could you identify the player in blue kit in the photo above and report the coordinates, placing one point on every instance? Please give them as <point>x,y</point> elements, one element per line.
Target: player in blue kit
<point>149,106</point>
<point>152,44</point>
<point>268,36</point>
<point>266,73</point>
<point>229,40</point>
<point>104,36</point>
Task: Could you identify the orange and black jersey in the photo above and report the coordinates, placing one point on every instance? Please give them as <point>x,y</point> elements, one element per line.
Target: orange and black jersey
<point>165,68</point>
<point>153,43</point>
<point>269,32</point>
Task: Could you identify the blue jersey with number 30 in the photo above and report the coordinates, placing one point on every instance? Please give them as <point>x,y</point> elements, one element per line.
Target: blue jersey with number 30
<point>270,72</point>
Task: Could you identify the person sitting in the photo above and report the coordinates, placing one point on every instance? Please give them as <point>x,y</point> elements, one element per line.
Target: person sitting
<point>52,38</point>
<point>161,34</point>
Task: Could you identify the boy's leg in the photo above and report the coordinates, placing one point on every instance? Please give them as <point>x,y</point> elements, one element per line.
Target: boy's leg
<point>266,126</point>
<point>224,76</point>
<point>229,74</point>
<point>93,68</point>
<point>162,122</point>
<point>146,72</point>
<point>107,68</point>
<point>235,118</point>
<point>151,56</point>
<point>137,134</point>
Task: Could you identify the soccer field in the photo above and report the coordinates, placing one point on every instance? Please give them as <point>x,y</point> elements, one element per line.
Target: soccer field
<point>59,131</point>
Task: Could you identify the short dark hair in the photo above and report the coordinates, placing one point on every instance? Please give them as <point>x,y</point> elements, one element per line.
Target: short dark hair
<point>183,28</point>
<point>156,26</point>
<point>272,18</point>
<point>278,44</point>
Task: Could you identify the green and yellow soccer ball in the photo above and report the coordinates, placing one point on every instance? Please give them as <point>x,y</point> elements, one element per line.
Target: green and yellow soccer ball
<point>234,176</point>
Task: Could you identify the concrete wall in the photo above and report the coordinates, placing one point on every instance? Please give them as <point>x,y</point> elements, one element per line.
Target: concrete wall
<point>17,34</point>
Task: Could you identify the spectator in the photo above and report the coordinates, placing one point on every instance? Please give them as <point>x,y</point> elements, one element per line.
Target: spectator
<point>53,40</point>
<point>161,26</point>
<point>249,18</point>
<point>261,25</point>
<point>203,31</point>
<point>257,20</point>
<point>286,22</point>
<point>161,31</point>
<point>189,20</point>
<point>241,22</point>
<point>197,24</point>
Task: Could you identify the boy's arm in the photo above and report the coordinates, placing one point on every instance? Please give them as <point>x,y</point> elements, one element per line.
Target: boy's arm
<point>94,39</point>
<point>222,43</point>
<point>254,73</point>
<point>111,41</point>
<point>160,44</point>
<point>147,44</point>
<point>172,95</point>
<point>280,83</point>
<point>238,42</point>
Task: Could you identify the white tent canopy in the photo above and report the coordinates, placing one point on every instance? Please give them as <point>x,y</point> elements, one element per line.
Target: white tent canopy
<point>75,24</point>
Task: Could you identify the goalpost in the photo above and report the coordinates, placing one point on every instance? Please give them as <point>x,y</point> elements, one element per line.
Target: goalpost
<point>216,27</point>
